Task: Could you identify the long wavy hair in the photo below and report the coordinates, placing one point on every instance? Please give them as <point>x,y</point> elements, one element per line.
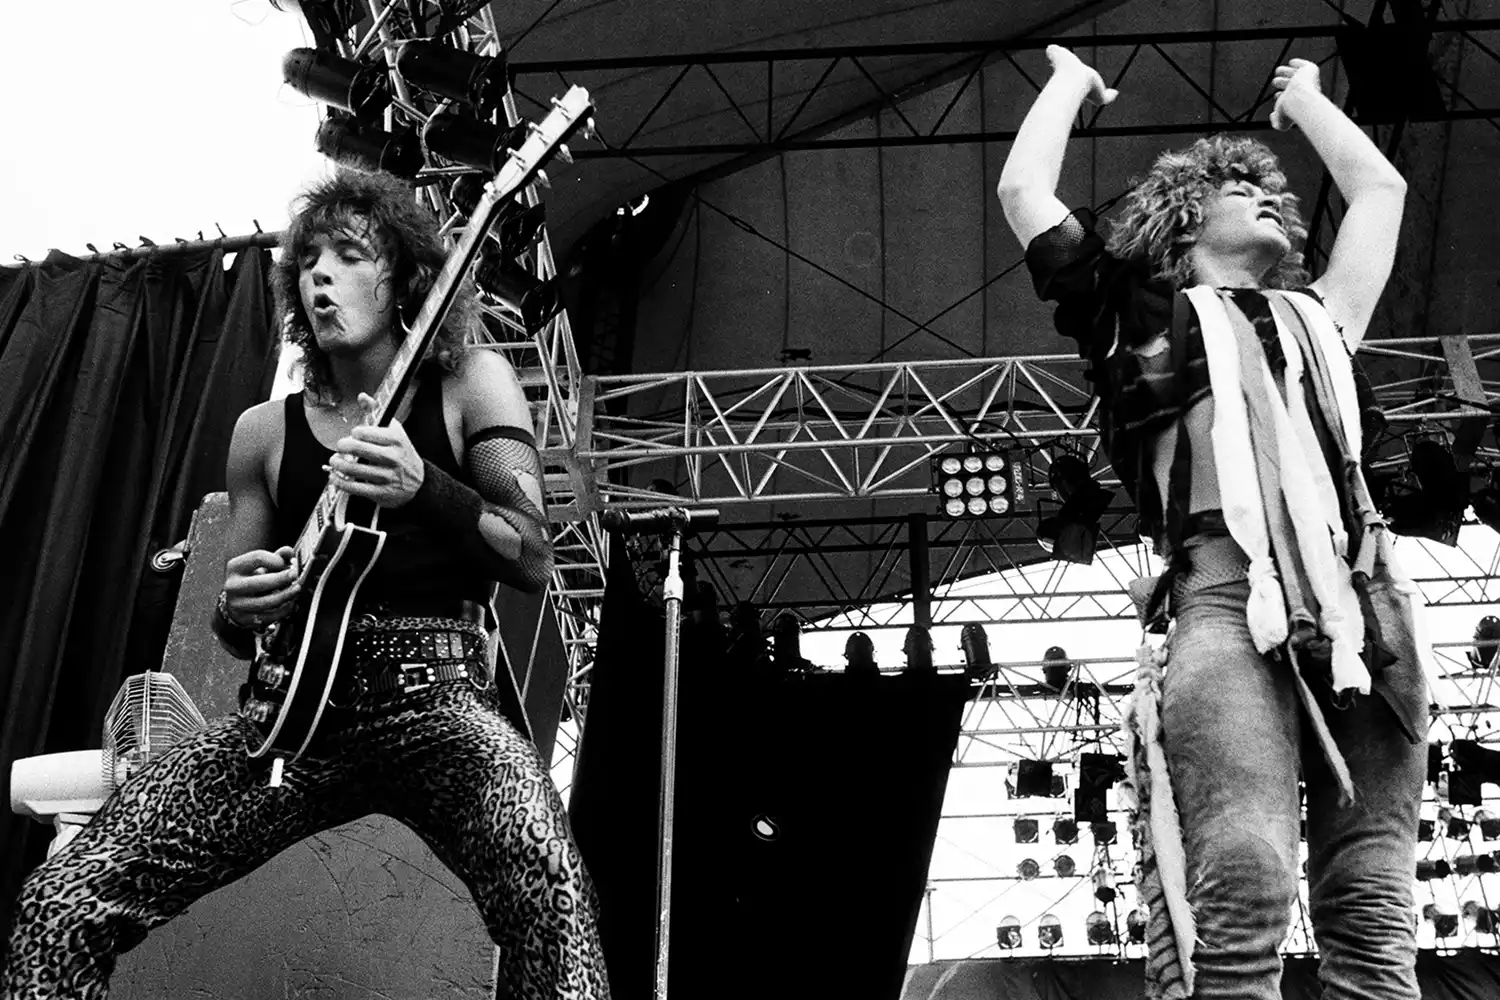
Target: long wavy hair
<point>382,209</point>
<point>1163,215</point>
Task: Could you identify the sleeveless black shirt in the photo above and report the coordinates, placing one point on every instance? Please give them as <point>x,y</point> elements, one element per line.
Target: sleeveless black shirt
<point>419,564</point>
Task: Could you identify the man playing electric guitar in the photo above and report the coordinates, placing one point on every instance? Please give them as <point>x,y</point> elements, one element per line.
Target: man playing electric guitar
<point>412,729</point>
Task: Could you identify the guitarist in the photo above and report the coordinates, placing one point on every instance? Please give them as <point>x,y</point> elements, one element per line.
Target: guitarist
<point>414,730</point>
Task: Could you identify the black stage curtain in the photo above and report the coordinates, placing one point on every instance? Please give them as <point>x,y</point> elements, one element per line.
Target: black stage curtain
<point>120,384</point>
<point>1464,975</point>
<point>851,773</point>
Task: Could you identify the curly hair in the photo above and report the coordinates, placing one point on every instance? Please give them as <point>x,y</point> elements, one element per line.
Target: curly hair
<point>405,235</point>
<point>1163,214</point>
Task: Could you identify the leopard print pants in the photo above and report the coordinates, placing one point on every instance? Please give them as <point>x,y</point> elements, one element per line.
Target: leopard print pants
<point>442,761</point>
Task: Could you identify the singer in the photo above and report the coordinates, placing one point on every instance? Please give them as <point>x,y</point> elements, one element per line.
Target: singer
<point>460,482</point>
<point>1229,412</point>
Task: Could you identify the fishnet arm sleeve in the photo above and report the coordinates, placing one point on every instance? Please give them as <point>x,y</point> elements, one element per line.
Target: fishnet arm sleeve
<point>500,520</point>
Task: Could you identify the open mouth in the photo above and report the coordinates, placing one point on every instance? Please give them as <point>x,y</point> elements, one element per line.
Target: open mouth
<point>323,306</point>
<point>1272,215</point>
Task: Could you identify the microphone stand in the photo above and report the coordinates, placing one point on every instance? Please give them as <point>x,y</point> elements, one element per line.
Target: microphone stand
<point>672,589</point>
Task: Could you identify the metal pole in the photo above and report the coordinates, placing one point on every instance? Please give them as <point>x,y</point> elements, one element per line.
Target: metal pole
<point>229,244</point>
<point>672,590</point>
<point>921,571</point>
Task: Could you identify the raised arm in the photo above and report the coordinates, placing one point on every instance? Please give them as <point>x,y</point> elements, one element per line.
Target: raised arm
<point>1366,245</point>
<point>1028,182</point>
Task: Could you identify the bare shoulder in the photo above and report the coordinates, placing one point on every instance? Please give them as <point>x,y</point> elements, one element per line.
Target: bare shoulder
<point>490,391</point>
<point>257,430</point>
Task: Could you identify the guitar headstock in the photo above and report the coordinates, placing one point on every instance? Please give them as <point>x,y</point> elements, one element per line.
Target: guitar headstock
<point>544,140</point>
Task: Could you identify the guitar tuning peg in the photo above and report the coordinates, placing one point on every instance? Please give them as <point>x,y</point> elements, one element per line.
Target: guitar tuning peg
<point>588,129</point>
<point>542,181</point>
<point>565,154</point>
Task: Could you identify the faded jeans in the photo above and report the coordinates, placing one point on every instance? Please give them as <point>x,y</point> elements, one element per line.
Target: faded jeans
<point>1235,735</point>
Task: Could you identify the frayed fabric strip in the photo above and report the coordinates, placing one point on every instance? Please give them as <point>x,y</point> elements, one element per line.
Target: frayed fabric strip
<point>1170,929</point>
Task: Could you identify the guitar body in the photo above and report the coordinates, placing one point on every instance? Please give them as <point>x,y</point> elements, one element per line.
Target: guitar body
<point>310,642</point>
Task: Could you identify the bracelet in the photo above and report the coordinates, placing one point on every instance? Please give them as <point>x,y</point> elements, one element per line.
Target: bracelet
<point>222,606</point>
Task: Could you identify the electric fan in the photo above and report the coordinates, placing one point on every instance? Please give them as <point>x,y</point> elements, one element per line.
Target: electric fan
<point>150,712</point>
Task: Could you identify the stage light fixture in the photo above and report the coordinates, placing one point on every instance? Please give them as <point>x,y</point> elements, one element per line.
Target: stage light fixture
<point>475,80</point>
<point>1466,787</point>
<point>345,139</point>
<point>507,284</point>
<point>1486,644</point>
<point>918,648</point>
<point>1033,778</point>
<point>1008,933</point>
<point>1489,824</point>
<point>471,142</point>
<point>1425,830</point>
<point>1064,866</point>
<point>1104,832</point>
<point>1458,829</point>
<point>1072,534</point>
<point>1097,774</point>
<point>1485,921</point>
<point>1098,929</point>
<point>859,656</point>
<point>979,483</point>
<point>1488,865</point>
<point>1049,931</point>
<point>976,647</point>
<point>1025,829</point>
<point>1465,864</point>
<point>1104,885</point>
<point>1435,508</point>
<point>1429,869</point>
<point>1028,869</point>
<point>362,89</point>
<point>1135,926</point>
<point>1064,830</point>
<point>1445,924</point>
<point>786,642</point>
<point>1057,669</point>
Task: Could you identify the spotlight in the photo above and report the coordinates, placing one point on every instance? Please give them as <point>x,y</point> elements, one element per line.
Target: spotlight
<point>976,647</point>
<point>1098,928</point>
<point>1025,829</point>
<point>1049,931</point>
<point>1008,934</point>
<point>1465,864</point>
<point>1065,831</point>
<point>1104,885</point>
<point>1489,824</point>
<point>1485,921</point>
<point>786,642</point>
<point>1105,832</point>
<point>859,655</point>
<point>918,648</point>
<point>1435,507</point>
<point>1064,866</point>
<point>1135,926</point>
<point>478,81</point>
<point>363,90</point>
<point>1057,669</point>
<point>979,483</point>
<point>1072,534</point>
<point>519,292</point>
<point>1487,864</point>
<point>1428,869</point>
<point>1028,869</point>
<point>1486,643</point>
<point>472,142</point>
<point>1097,774</point>
<point>1458,829</point>
<point>1033,778</point>
<point>1445,924</point>
<point>365,147</point>
<point>1425,830</point>
<point>517,226</point>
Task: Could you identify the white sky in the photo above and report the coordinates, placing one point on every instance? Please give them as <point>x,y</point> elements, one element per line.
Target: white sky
<point>155,119</point>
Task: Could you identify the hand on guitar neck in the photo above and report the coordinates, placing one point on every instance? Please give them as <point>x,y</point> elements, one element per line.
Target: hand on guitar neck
<point>261,587</point>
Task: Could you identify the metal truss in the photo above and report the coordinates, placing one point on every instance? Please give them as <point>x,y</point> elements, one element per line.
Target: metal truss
<point>870,431</point>
<point>775,95</point>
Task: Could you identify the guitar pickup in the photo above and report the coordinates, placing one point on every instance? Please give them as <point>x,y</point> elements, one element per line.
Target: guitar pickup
<point>416,677</point>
